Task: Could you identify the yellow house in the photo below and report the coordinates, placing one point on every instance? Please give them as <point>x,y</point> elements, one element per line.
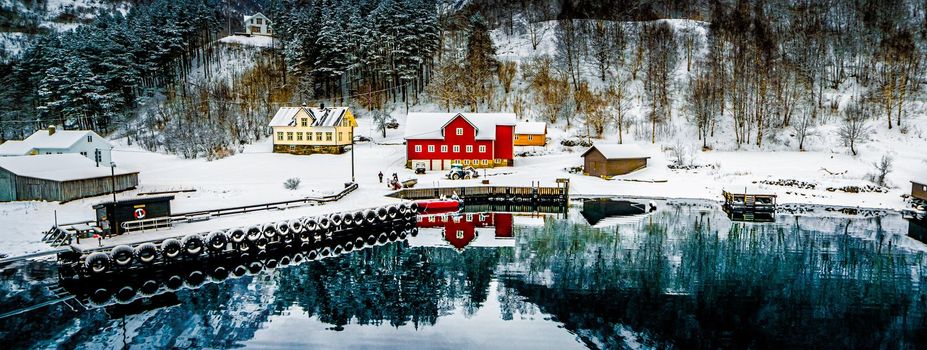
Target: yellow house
<point>530,134</point>
<point>308,130</point>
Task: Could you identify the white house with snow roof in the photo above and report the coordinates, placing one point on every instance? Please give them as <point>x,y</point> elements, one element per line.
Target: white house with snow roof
<point>308,130</point>
<point>257,24</point>
<point>53,141</point>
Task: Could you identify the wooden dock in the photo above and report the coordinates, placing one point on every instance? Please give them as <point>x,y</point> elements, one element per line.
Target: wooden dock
<point>491,194</point>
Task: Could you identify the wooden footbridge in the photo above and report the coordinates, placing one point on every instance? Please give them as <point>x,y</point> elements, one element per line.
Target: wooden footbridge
<point>492,194</point>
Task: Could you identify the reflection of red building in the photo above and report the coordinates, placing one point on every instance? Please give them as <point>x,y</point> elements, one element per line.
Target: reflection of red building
<point>461,229</point>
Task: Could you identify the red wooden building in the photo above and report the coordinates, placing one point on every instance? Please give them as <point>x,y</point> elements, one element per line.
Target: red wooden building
<point>480,140</point>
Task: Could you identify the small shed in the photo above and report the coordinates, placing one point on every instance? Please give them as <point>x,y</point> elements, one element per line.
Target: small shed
<point>59,177</point>
<point>613,159</point>
<point>113,214</point>
<point>531,134</point>
<point>919,189</point>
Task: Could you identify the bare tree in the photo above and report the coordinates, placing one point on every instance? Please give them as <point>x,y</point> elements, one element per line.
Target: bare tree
<point>883,167</point>
<point>804,126</point>
<point>855,125</point>
<point>444,87</point>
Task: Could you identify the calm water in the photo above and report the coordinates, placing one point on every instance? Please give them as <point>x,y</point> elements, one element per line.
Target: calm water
<point>681,277</point>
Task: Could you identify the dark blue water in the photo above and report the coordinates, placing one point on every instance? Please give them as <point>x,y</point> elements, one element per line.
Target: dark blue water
<point>682,277</point>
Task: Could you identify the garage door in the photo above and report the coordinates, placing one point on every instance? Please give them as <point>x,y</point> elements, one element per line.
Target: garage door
<point>7,190</point>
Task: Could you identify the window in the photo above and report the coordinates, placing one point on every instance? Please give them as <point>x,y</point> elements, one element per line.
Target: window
<point>47,152</point>
<point>308,136</point>
<point>289,136</point>
<point>89,138</point>
<point>431,148</point>
<point>304,122</point>
<point>466,162</point>
<point>443,148</point>
<point>328,136</point>
<point>83,154</point>
<point>469,217</point>
<point>258,20</point>
<point>280,135</point>
<point>418,148</point>
<point>469,149</point>
<point>530,137</point>
<point>483,149</point>
<point>318,136</point>
<point>517,137</point>
<point>459,131</point>
<point>460,234</point>
<point>485,162</point>
<point>456,148</point>
<point>299,136</point>
<point>340,136</point>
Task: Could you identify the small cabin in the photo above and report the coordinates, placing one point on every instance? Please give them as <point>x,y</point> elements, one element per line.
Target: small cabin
<point>613,159</point>
<point>531,134</point>
<point>257,24</point>
<point>59,177</point>
<point>919,189</point>
<point>130,215</point>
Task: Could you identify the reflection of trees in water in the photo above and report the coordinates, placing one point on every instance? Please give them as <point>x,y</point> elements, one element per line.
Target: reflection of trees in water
<point>394,283</point>
<point>687,282</point>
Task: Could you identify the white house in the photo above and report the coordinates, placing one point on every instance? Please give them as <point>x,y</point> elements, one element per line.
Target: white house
<point>52,141</point>
<point>257,24</point>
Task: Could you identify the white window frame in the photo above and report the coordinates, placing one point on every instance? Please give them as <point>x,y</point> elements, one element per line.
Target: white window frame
<point>456,148</point>
<point>485,162</point>
<point>469,148</point>
<point>418,148</point>
<point>431,148</point>
<point>459,131</point>
<point>482,148</point>
<point>443,148</point>
<point>530,137</point>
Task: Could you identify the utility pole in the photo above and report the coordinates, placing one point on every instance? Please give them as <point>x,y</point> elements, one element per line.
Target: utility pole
<point>352,155</point>
<point>112,214</point>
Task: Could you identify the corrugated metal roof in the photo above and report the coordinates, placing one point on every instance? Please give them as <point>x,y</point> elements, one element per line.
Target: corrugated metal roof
<point>427,126</point>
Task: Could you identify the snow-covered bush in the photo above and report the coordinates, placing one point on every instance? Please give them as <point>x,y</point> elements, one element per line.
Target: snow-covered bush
<point>292,183</point>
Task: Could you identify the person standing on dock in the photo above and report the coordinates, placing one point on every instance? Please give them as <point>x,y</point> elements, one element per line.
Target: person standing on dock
<point>381,176</point>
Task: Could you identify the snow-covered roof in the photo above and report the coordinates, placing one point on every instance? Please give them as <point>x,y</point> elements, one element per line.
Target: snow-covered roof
<point>57,167</point>
<point>921,180</point>
<point>61,139</point>
<point>428,126</point>
<point>330,116</point>
<point>15,148</point>
<point>619,151</point>
<point>261,15</point>
<point>531,128</point>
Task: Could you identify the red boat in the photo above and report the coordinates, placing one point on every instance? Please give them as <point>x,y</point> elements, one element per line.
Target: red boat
<point>438,205</point>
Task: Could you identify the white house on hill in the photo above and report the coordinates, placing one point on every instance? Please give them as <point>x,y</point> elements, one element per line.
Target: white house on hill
<point>257,24</point>
<point>52,141</point>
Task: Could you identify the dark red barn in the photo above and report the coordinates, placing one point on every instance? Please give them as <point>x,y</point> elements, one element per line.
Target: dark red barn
<point>461,229</point>
<point>480,140</point>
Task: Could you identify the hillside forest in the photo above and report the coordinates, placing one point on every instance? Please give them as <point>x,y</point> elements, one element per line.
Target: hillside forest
<point>760,75</point>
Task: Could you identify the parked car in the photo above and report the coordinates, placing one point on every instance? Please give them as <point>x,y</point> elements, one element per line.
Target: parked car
<point>392,124</point>
<point>361,138</point>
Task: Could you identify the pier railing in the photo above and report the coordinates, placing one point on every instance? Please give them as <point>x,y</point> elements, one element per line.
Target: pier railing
<point>501,193</point>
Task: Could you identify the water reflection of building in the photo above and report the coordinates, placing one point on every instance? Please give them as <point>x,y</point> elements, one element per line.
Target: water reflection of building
<point>917,229</point>
<point>608,212</point>
<point>467,229</point>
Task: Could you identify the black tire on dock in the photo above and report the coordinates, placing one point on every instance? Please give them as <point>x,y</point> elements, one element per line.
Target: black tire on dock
<point>271,264</point>
<point>296,226</point>
<point>358,243</point>
<point>403,234</point>
<point>413,208</point>
<point>403,209</point>
<point>305,246</point>
<point>171,248</point>
<point>348,246</point>
<point>255,267</point>
<point>371,240</point>
<point>359,218</point>
<point>370,216</point>
<point>311,224</point>
<point>244,247</point>
<point>193,244</point>
<point>269,230</point>
<point>97,262</point>
<point>240,270</point>
<point>324,223</point>
<point>238,235</point>
<point>326,251</point>
<point>393,235</point>
<point>312,255</point>
<point>392,212</point>
<point>254,232</point>
<point>287,239</point>
<point>298,258</point>
<point>336,220</point>
<point>217,241</point>
<point>122,255</point>
<point>146,252</point>
<point>382,214</point>
<point>125,295</point>
<point>382,238</point>
<point>283,228</point>
<point>347,220</point>
<point>337,250</point>
<point>305,236</point>
<point>413,231</point>
<point>285,260</point>
<point>261,243</point>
